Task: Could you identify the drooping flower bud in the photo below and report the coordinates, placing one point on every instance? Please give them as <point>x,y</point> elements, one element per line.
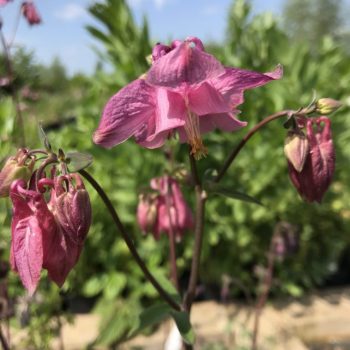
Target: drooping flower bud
<point>18,167</point>
<point>174,215</point>
<point>316,176</point>
<point>30,13</point>
<point>327,105</point>
<point>70,205</point>
<point>296,148</point>
<point>48,235</point>
<point>147,211</point>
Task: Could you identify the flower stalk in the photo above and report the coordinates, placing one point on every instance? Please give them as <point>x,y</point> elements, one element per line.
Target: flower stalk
<point>129,242</point>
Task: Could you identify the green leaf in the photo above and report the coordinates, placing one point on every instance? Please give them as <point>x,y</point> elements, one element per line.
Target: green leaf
<point>183,324</point>
<point>78,161</point>
<point>228,192</point>
<point>150,317</point>
<point>167,285</point>
<point>44,139</point>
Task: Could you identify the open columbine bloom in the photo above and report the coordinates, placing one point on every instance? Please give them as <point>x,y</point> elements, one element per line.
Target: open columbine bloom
<point>48,235</point>
<point>186,91</point>
<point>315,177</point>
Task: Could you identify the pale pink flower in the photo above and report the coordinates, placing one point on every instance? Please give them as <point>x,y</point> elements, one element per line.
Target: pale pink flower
<point>166,210</point>
<point>31,13</point>
<point>4,2</point>
<point>48,235</point>
<point>186,91</point>
<point>316,175</point>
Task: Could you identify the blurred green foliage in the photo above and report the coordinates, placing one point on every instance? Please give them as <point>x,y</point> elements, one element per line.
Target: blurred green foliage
<point>237,234</point>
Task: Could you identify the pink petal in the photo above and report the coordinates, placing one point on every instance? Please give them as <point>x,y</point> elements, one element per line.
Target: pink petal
<point>234,81</point>
<point>170,114</point>
<point>205,99</point>
<point>125,114</point>
<point>184,64</point>
<point>28,252</point>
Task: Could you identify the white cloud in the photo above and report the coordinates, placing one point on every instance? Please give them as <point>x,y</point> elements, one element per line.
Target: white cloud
<point>159,4</point>
<point>211,10</point>
<point>71,12</point>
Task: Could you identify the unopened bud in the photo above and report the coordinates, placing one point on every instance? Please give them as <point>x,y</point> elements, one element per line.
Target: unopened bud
<point>15,168</point>
<point>327,105</point>
<point>147,213</point>
<point>296,148</point>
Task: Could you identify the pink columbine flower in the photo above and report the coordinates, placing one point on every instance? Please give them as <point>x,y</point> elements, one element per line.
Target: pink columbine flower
<point>48,235</point>
<point>4,2</point>
<point>315,177</point>
<point>186,91</point>
<point>31,13</point>
<point>166,210</point>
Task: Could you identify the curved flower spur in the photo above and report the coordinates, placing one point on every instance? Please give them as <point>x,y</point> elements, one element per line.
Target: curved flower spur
<point>186,91</point>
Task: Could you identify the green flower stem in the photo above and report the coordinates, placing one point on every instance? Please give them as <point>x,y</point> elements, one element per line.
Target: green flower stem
<point>129,242</point>
<point>246,138</point>
<point>172,244</point>
<point>198,236</point>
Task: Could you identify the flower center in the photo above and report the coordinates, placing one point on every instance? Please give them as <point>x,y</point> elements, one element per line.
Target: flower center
<point>194,135</point>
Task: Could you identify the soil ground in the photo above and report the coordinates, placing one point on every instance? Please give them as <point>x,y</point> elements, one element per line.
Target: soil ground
<point>320,321</point>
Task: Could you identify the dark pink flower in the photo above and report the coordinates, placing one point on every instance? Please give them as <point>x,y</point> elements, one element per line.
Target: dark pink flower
<point>185,91</point>
<point>166,211</point>
<point>31,13</point>
<point>316,175</point>
<point>48,235</point>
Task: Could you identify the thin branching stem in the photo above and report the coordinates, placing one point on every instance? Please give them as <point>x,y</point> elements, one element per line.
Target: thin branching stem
<point>129,242</point>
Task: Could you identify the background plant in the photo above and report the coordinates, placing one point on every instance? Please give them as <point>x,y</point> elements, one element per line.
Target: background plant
<point>237,234</point>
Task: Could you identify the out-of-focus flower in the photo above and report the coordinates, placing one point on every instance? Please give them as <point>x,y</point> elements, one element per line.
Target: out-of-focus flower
<point>165,210</point>
<point>316,175</point>
<point>4,2</point>
<point>19,166</point>
<point>327,105</point>
<point>48,235</point>
<point>186,91</point>
<point>30,13</point>
<point>285,239</point>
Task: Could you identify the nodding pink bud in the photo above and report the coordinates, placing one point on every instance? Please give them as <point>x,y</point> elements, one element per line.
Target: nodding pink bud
<point>316,176</point>
<point>71,205</point>
<point>327,105</point>
<point>173,213</point>
<point>147,213</point>
<point>296,148</point>
<point>32,223</point>
<point>30,13</point>
<point>159,50</point>
<point>19,166</point>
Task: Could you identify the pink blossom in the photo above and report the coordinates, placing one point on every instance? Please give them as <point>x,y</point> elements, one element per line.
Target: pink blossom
<point>166,211</point>
<point>316,175</point>
<point>31,13</point>
<point>186,91</point>
<point>48,235</point>
<point>4,2</point>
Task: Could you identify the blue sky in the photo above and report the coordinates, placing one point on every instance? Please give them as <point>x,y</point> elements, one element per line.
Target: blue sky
<point>62,33</point>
